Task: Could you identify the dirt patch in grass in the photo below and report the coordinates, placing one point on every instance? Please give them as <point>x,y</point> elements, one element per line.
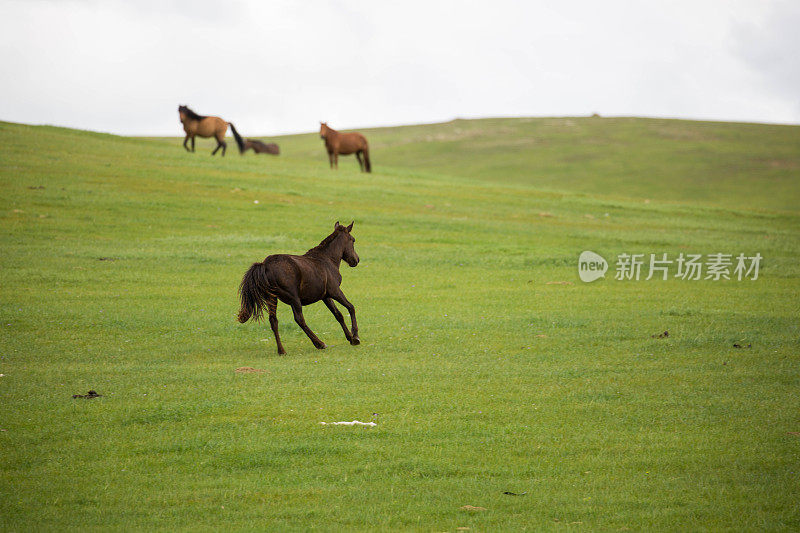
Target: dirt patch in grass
<point>472,508</point>
<point>248,370</point>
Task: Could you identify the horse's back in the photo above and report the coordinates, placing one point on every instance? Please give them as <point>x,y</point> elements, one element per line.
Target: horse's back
<point>271,148</point>
<point>206,127</point>
<point>282,267</point>
<point>351,142</point>
<point>296,274</point>
<point>264,148</point>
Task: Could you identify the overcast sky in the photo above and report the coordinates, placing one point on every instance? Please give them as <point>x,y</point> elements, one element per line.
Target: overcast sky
<point>277,67</point>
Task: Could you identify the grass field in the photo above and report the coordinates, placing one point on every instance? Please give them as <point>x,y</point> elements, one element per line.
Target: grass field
<point>120,262</point>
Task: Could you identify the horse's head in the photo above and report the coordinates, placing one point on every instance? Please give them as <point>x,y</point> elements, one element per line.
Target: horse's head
<point>182,112</point>
<point>348,248</point>
<point>323,131</point>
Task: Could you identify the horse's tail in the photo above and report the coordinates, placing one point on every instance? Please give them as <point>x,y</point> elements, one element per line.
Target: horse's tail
<point>238,138</point>
<point>367,164</point>
<point>253,292</point>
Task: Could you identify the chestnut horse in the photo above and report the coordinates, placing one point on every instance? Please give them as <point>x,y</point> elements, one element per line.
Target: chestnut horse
<point>299,280</point>
<point>261,147</point>
<point>345,143</point>
<point>194,125</point>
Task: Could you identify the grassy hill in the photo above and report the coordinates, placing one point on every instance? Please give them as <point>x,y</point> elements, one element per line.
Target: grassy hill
<point>743,166</point>
<point>487,364</point>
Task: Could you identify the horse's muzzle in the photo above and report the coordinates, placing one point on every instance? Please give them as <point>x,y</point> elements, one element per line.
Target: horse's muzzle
<point>353,262</point>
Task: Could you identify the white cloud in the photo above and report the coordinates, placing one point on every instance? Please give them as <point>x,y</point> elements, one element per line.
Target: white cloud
<point>283,66</point>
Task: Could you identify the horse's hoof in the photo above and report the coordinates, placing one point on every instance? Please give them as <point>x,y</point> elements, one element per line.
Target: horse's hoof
<point>355,341</point>
<point>281,352</point>
<point>320,346</point>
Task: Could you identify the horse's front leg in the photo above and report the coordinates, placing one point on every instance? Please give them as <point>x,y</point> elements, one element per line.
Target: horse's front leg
<point>297,309</point>
<point>340,297</point>
<point>336,160</point>
<point>338,315</point>
<point>186,140</point>
<point>330,159</point>
<point>192,143</point>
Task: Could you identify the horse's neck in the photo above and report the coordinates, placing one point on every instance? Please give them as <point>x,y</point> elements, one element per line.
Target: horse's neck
<point>332,251</point>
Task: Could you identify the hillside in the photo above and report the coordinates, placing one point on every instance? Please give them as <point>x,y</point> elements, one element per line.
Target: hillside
<point>488,366</point>
<point>749,166</point>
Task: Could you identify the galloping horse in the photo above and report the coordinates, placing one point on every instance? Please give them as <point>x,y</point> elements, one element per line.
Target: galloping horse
<point>194,124</point>
<point>299,280</point>
<point>345,143</point>
<point>261,147</point>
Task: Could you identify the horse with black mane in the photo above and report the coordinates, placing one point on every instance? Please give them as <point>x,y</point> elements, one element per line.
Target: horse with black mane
<point>345,143</point>
<point>299,280</point>
<point>261,147</point>
<point>199,125</point>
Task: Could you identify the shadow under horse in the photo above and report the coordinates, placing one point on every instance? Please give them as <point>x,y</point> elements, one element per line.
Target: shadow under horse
<point>299,280</point>
<point>201,126</point>
<point>345,143</point>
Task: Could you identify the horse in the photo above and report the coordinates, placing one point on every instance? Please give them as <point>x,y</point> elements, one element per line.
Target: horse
<point>299,280</point>
<point>260,147</point>
<point>194,124</point>
<point>345,143</point>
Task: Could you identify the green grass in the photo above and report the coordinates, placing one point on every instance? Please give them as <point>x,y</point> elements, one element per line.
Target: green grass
<point>120,263</point>
<point>741,166</point>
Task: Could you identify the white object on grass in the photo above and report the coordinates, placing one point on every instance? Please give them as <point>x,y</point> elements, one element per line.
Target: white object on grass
<point>353,423</point>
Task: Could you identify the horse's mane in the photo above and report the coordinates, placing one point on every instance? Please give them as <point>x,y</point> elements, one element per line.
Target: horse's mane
<point>192,115</point>
<point>318,249</point>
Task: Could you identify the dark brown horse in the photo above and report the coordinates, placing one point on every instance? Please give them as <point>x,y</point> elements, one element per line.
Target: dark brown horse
<point>260,147</point>
<point>299,280</point>
<point>199,125</point>
<point>345,143</point>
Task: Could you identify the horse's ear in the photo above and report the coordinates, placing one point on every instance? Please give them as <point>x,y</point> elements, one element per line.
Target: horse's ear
<point>337,225</point>
<point>350,227</point>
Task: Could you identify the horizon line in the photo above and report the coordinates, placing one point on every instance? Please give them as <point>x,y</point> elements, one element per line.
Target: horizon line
<point>438,122</point>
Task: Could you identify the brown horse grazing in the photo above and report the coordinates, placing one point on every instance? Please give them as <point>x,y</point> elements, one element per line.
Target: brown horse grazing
<point>260,147</point>
<point>299,280</point>
<point>194,125</point>
<point>345,143</point>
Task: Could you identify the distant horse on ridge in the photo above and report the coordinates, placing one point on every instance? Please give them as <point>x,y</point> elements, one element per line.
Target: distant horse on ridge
<point>345,143</point>
<point>261,147</point>
<point>199,125</point>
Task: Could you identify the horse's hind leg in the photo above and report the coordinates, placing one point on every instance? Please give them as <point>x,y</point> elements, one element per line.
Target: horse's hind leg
<point>338,315</point>
<point>297,309</point>
<point>360,161</point>
<point>220,144</point>
<point>272,308</point>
